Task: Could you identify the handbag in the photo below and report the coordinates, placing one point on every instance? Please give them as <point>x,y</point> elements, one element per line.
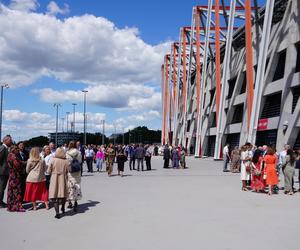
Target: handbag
<point>248,167</point>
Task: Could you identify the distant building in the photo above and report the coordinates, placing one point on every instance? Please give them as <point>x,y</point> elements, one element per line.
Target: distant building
<point>64,137</point>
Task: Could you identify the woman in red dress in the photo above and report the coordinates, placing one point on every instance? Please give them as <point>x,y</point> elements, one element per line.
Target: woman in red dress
<point>257,181</point>
<point>270,162</point>
<point>14,196</point>
<point>36,189</point>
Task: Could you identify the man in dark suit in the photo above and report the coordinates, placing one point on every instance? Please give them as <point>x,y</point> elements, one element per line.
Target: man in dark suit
<point>167,155</point>
<point>4,173</point>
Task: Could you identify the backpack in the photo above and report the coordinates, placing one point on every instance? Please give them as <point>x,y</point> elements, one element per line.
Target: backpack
<point>75,165</point>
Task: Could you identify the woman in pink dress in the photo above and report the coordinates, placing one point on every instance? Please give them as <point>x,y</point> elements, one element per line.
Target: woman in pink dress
<point>257,181</point>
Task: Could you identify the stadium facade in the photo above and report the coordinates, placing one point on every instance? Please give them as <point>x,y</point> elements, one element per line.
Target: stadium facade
<point>234,77</point>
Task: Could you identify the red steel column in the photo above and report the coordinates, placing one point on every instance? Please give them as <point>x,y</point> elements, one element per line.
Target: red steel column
<point>174,74</point>
<point>198,63</point>
<point>184,69</point>
<point>249,59</point>
<point>166,96</point>
<point>163,101</point>
<point>218,57</point>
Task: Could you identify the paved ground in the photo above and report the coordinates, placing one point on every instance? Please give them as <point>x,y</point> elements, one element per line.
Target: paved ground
<point>165,209</point>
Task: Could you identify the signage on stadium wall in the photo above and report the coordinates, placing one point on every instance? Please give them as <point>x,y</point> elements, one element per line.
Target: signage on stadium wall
<point>262,124</point>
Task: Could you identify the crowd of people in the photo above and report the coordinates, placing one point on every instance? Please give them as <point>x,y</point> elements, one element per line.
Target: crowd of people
<point>261,167</point>
<point>54,174</point>
<point>176,155</point>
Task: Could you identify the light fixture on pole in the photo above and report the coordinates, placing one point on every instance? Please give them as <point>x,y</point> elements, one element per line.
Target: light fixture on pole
<point>84,116</point>
<point>56,105</point>
<point>3,85</point>
<point>67,113</point>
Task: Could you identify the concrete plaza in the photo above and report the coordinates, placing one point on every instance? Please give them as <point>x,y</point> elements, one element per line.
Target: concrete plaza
<point>164,209</point>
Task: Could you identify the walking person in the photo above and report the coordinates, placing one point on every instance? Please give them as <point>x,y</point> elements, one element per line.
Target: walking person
<point>289,164</point>
<point>4,169</point>
<point>235,164</point>
<point>82,151</point>
<point>245,167</point>
<point>139,155</point>
<point>23,156</point>
<point>270,162</point>
<point>175,157</point>
<point>47,156</point>
<point>59,168</point>
<point>226,157</point>
<point>167,156</point>
<point>110,159</point>
<point>99,158</point>
<point>148,154</point>
<point>131,154</point>
<point>182,158</point>
<point>121,159</point>
<point>73,155</point>
<point>89,158</point>
<point>14,196</point>
<point>36,189</point>
<point>298,167</point>
<point>257,182</point>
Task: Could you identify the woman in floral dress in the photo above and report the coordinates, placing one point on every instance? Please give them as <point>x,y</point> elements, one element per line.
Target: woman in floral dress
<point>14,196</point>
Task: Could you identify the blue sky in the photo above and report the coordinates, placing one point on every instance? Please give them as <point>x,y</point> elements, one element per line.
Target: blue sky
<point>51,50</point>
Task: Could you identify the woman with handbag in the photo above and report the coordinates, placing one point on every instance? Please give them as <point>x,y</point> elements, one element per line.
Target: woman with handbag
<point>289,164</point>
<point>245,167</point>
<point>121,159</point>
<point>36,189</point>
<point>59,168</point>
<point>257,182</point>
<point>271,172</point>
<point>73,155</point>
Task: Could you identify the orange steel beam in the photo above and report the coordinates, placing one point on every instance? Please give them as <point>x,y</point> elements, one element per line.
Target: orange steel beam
<point>184,70</point>
<point>198,66</point>
<point>166,88</point>
<point>164,110</point>
<point>249,58</point>
<point>174,74</point>
<point>226,7</point>
<point>170,118</point>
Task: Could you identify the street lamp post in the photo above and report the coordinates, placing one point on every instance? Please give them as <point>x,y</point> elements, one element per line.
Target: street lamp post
<point>4,85</point>
<point>67,113</point>
<point>56,105</point>
<point>84,116</point>
<point>62,124</point>
<point>74,104</point>
<point>103,130</point>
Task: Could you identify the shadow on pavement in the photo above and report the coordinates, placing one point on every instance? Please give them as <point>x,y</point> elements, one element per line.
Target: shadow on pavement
<point>82,208</point>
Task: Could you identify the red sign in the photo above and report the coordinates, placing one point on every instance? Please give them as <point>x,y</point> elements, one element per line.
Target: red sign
<point>262,124</point>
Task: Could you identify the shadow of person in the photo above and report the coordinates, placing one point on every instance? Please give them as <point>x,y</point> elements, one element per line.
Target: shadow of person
<point>82,208</point>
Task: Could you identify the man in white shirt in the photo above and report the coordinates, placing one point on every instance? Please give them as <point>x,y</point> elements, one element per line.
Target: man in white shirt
<point>89,157</point>
<point>226,157</point>
<point>281,157</point>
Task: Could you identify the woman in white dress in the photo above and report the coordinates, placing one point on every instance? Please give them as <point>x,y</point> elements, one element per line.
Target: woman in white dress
<point>245,165</point>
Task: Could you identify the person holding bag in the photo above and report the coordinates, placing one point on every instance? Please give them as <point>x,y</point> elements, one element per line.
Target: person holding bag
<point>36,189</point>
<point>270,164</point>
<point>257,182</point>
<point>289,164</point>
<point>73,155</point>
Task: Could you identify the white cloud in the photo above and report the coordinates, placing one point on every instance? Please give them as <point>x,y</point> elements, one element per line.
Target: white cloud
<point>18,116</point>
<point>54,9</point>
<point>24,5</point>
<point>85,49</point>
<point>122,96</point>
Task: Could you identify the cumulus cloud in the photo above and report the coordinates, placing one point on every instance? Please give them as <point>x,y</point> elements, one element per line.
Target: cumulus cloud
<point>85,49</point>
<point>122,96</point>
<point>23,5</point>
<point>54,9</point>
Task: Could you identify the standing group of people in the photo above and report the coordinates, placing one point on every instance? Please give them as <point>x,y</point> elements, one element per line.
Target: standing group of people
<point>177,156</point>
<point>260,167</point>
<point>50,175</point>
